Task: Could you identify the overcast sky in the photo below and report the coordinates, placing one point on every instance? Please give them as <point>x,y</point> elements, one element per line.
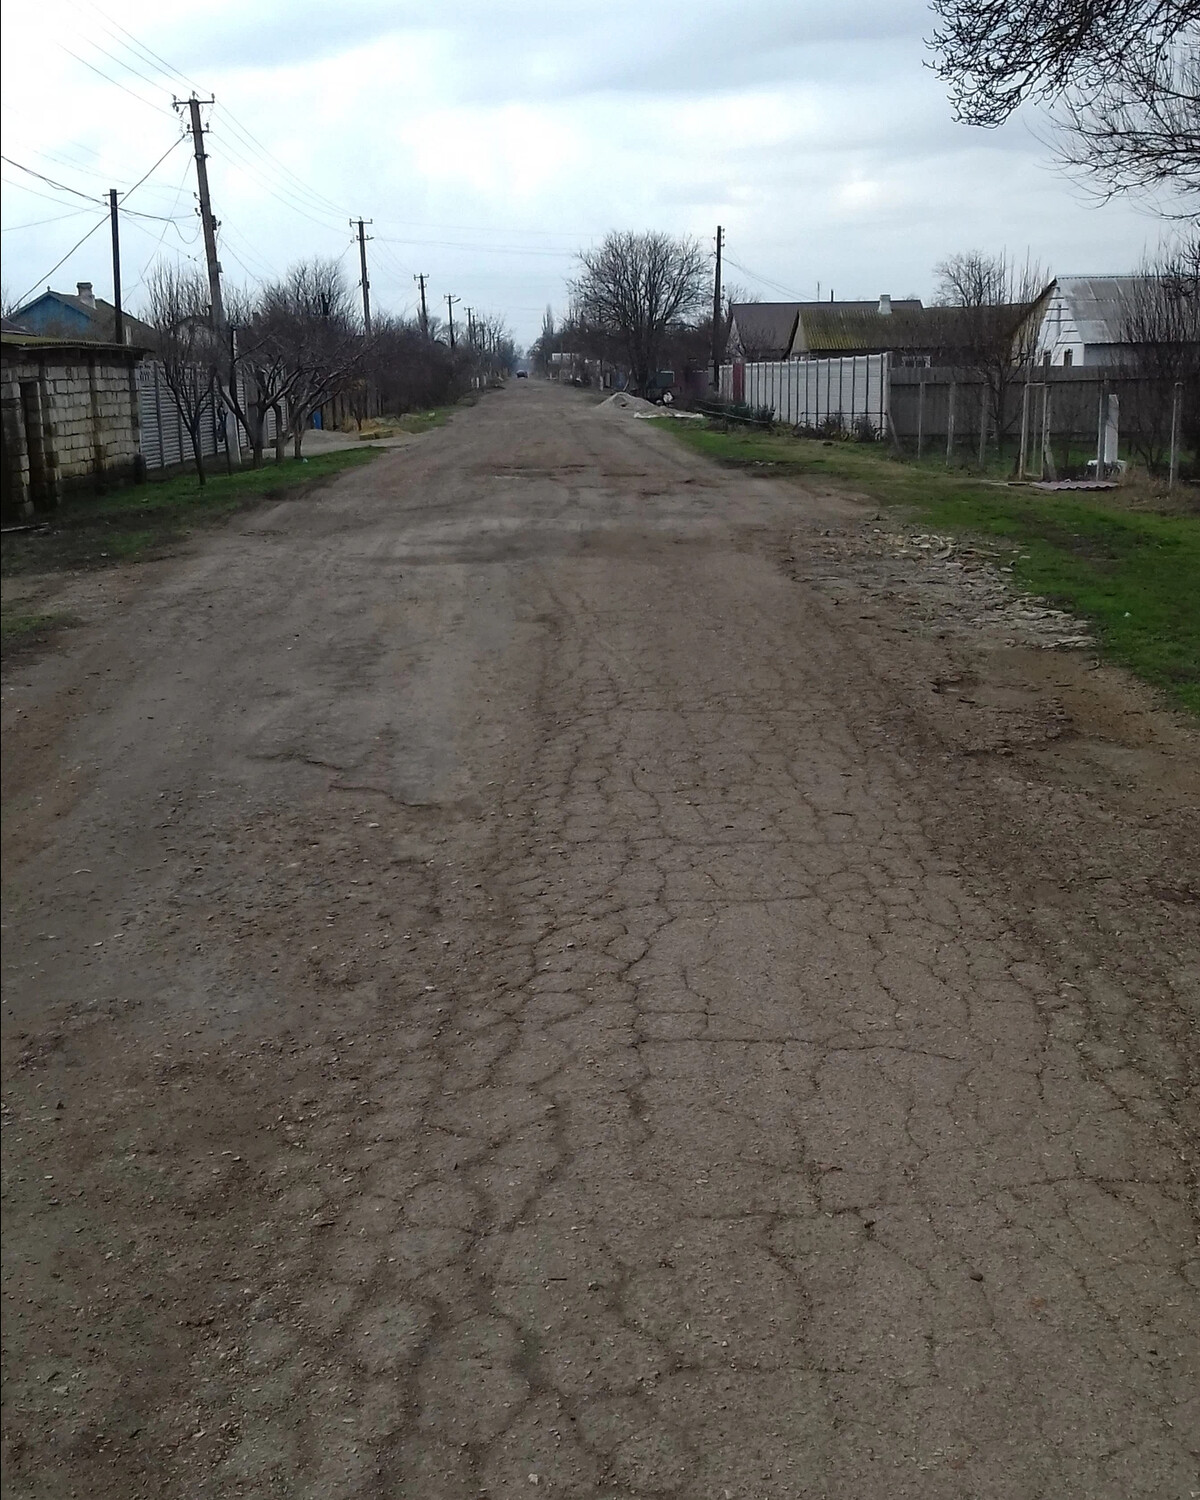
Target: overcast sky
<point>489,139</point>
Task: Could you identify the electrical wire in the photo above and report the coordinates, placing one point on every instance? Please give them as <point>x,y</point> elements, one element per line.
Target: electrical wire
<point>792,296</point>
<point>66,257</point>
<point>37,223</point>
<point>178,141</point>
<point>158,108</point>
<point>50,182</point>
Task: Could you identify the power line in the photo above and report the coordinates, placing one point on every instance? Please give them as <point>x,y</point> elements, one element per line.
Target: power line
<point>148,53</point>
<point>158,108</point>
<point>480,249</point>
<point>788,292</point>
<point>37,223</point>
<point>155,167</point>
<point>66,257</point>
<point>50,182</point>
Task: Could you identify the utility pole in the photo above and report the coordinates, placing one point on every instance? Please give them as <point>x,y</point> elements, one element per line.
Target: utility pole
<point>450,301</point>
<point>470,326</point>
<point>207,222</point>
<point>421,280</point>
<point>118,311</point>
<point>366,285</point>
<point>716,328</point>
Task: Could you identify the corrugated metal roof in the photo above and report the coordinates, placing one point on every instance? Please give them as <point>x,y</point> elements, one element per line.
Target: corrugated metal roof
<point>1098,304</point>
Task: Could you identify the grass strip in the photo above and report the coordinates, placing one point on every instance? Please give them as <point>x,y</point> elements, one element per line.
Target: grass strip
<point>137,521</point>
<point>1119,559</point>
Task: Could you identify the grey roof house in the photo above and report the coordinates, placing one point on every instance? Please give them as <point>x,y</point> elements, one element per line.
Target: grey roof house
<point>1082,323</point>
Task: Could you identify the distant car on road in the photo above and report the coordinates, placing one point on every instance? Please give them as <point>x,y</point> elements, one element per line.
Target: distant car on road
<point>522,374</point>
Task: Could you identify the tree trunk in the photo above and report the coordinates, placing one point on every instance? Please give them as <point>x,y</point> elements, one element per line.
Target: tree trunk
<point>280,434</point>
<point>298,438</point>
<point>197,456</point>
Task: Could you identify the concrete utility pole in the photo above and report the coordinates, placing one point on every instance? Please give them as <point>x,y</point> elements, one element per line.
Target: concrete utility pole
<point>716,328</point>
<point>207,222</point>
<point>363,237</point>
<point>118,311</point>
<point>450,301</point>
<point>421,280</point>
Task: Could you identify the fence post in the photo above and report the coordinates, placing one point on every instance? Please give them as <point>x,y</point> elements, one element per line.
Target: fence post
<point>921,416</point>
<point>983,423</point>
<point>950,395</point>
<point>1048,469</point>
<point>1176,405</point>
<point>1100,422</point>
<point>1024,430</point>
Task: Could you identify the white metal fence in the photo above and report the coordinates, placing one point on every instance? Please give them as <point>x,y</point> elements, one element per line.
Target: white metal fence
<point>164,438</point>
<point>805,392</point>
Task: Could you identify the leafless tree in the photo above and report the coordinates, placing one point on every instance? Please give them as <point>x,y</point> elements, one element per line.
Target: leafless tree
<point>634,289</point>
<point>186,348</point>
<point>1122,75</point>
<point>306,321</point>
<point>1161,332</point>
<point>988,322</point>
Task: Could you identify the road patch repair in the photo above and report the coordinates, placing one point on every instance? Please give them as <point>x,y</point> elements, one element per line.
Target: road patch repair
<point>555,965</point>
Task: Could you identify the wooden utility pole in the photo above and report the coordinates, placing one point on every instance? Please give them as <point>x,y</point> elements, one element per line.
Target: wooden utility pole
<point>363,237</point>
<point>207,222</point>
<point>716,324</point>
<point>421,280</point>
<point>118,311</point>
<point>450,301</point>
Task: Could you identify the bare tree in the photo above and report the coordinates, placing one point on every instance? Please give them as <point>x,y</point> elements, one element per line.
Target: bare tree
<point>1123,74</point>
<point>1161,333</point>
<point>634,289</point>
<point>308,325</point>
<point>988,323</point>
<point>187,350</point>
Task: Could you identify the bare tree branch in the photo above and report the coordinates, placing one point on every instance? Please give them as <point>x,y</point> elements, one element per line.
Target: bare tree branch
<point>1122,75</point>
<point>634,289</point>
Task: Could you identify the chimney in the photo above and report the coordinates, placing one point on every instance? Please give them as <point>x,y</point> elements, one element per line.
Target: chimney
<point>885,304</point>
<point>84,288</point>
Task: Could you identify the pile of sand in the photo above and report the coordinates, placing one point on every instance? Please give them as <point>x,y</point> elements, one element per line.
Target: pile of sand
<point>622,404</point>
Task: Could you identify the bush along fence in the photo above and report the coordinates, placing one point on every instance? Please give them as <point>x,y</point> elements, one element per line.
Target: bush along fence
<point>1040,421</point>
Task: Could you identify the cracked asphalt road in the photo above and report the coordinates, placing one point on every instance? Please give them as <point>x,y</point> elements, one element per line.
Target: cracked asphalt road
<point>511,989</point>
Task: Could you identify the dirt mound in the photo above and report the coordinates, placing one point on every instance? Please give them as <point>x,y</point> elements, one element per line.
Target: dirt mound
<point>622,404</point>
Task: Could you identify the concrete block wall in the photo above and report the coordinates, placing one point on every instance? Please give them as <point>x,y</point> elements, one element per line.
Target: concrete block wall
<point>87,411</point>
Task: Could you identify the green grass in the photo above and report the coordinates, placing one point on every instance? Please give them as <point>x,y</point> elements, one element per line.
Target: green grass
<point>137,522</point>
<point>17,628</point>
<point>1130,569</point>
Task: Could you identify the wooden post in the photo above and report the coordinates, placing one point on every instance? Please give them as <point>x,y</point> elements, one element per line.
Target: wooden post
<point>983,423</point>
<point>1021,455</point>
<point>1046,466</point>
<point>1100,429</point>
<point>950,395</point>
<point>1176,406</point>
<point>921,417</point>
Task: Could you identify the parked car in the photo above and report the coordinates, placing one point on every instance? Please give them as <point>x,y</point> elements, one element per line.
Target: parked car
<point>522,374</point>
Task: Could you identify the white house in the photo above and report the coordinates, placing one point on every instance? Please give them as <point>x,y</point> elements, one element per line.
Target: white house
<point>1083,321</point>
